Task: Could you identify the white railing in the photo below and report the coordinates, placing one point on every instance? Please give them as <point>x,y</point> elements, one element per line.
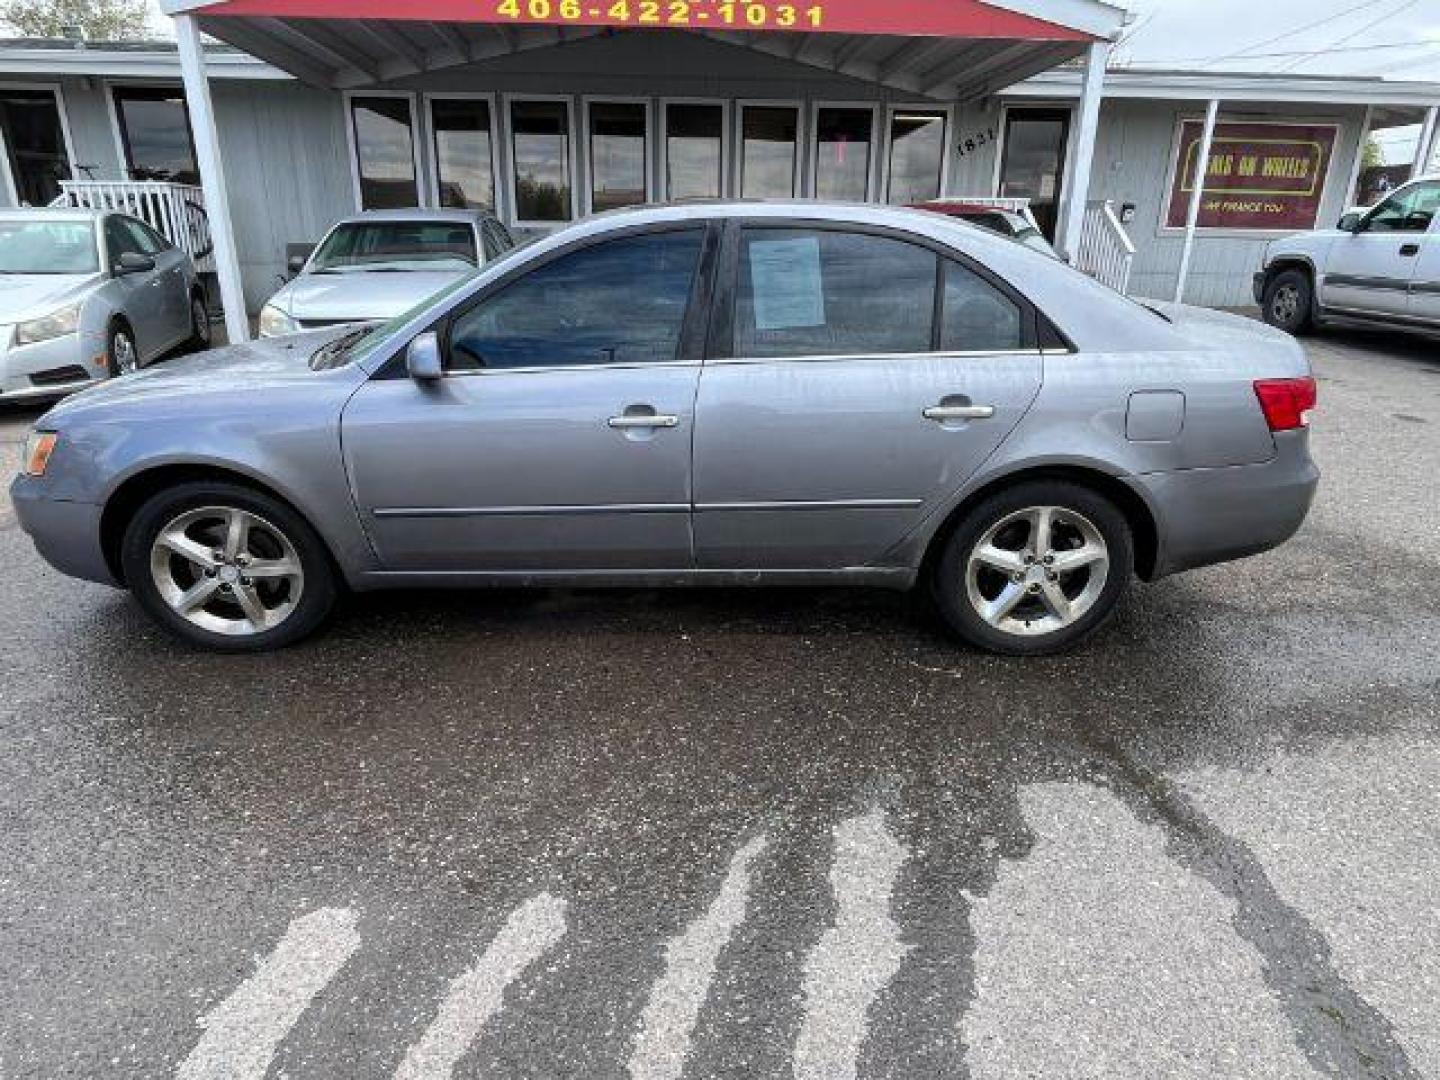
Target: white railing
<point>175,211</point>
<point>1106,250</point>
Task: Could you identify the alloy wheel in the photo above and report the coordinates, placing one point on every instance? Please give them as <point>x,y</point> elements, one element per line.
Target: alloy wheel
<point>1037,570</point>
<point>227,570</point>
<point>1285,304</point>
<point>122,351</point>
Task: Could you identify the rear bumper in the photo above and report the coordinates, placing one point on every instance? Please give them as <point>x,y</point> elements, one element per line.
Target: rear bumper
<point>66,534</point>
<point>1209,516</point>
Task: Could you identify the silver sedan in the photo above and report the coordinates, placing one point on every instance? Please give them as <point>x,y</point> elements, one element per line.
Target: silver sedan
<point>740,394</point>
<point>86,295</point>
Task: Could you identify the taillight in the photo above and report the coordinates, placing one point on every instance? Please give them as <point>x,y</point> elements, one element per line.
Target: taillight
<point>1286,402</point>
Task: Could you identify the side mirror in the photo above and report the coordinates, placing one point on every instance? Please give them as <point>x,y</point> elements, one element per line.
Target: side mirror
<point>422,358</point>
<point>1351,222</point>
<point>132,262</point>
<point>296,256</point>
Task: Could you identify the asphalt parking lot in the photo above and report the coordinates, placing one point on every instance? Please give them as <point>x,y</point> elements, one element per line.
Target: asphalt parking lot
<point>729,834</point>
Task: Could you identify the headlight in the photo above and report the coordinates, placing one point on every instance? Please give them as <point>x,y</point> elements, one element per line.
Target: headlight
<point>38,448</point>
<point>274,322</point>
<point>56,324</point>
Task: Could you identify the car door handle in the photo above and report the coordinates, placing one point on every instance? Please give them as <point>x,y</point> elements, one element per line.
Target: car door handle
<point>959,412</point>
<point>625,423</point>
<point>1410,250</point>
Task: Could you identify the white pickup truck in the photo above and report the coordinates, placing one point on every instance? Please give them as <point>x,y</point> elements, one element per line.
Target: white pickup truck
<point>1377,265</point>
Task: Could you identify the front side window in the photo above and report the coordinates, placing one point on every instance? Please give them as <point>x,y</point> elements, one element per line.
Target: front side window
<point>146,239</point>
<point>618,135</point>
<point>464,153</point>
<point>694,151</point>
<point>120,239</point>
<point>541,133</point>
<point>396,245</point>
<point>48,247</point>
<point>830,293</point>
<point>842,153</point>
<point>917,156</point>
<point>1411,209</point>
<point>617,302</point>
<point>769,145</point>
<point>155,132</point>
<point>384,152</point>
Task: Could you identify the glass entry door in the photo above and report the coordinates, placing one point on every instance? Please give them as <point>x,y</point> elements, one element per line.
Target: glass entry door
<point>35,144</point>
<point>1033,164</point>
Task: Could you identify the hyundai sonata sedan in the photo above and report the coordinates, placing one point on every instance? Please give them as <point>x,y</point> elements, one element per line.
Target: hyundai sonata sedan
<point>748,394</point>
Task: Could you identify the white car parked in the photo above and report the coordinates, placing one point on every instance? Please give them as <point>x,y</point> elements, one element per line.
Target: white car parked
<point>1377,265</point>
<point>378,264</point>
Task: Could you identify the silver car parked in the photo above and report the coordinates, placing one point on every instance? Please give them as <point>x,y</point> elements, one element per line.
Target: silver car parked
<point>742,394</point>
<point>88,294</point>
<point>380,263</point>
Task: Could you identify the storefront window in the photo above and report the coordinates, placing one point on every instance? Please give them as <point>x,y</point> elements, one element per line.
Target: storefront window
<point>769,145</point>
<point>618,134</point>
<point>694,154</point>
<point>385,152</point>
<point>30,123</point>
<point>1033,166</point>
<point>917,156</point>
<point>155,131</point>
<point>541,133</point>
<point>842,153</point>
<point>464,153</point>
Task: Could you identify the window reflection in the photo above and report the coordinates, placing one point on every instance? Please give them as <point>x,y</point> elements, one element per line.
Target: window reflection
<point>385,152</point>
<point>769,142</point>
<point>694,159</point>
<point>155,130</point>
<point>541,134</point>
<point>464,153</point>
<point>842,149</point>
<point>617,155</point>
<point>917,155</point>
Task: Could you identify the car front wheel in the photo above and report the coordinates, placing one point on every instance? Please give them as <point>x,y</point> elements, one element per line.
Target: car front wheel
<point>1035,569</point>
<point>120,351</point>
<point>1288,302</point>
<point>227,568</point>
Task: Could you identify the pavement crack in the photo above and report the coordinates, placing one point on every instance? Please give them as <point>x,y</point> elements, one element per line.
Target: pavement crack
<point>1337,1029</point>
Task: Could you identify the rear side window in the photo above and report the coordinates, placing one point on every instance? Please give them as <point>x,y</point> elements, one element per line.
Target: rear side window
<point>818,292</point>
<point>978,316</point>
<point>616,302</point>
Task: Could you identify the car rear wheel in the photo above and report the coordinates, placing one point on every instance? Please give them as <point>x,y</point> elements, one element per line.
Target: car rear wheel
<point>1289,299</point>
<point>1035,569</point>
<point>227,568</point>
<point>120,352</point>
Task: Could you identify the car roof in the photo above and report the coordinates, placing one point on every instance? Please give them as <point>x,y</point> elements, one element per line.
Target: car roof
<point>458,216</point>
<point>52,213</point>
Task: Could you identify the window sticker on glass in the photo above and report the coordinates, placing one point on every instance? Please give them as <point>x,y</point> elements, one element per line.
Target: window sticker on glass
<point>785,277</point>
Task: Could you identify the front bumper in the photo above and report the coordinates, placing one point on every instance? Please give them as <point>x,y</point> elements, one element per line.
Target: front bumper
<point>50,369</point>
<point>67,534</point>
<point>1209,516</point>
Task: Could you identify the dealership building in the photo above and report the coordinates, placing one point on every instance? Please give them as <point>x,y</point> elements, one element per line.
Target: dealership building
<point>295,113</point>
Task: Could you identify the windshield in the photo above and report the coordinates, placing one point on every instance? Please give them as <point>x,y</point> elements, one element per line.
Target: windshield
<point>370,246</point>
<point>48,247</point>
<point>351,346</point>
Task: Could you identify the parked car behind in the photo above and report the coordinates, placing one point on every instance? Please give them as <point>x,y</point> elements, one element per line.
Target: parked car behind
<point>86,295</point>
<point>378,264</point>
<point>746,393</point>
<point>1019,227</point>
<point>1380,265</point>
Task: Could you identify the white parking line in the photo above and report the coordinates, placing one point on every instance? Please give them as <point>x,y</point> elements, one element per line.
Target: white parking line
<point>857,957</point>
<point>678,995</point>
<point>529,933</point>
<point>243,1031</point>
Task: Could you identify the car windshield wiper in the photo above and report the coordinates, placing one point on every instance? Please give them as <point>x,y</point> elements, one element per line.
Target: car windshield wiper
<point>333,353</point>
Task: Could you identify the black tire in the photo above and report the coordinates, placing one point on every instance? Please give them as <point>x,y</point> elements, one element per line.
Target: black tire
<point>200,335</point>
<point>316,596</point>
<point>950,586</point>
<point>114,355</point>
<point>1290,302</point>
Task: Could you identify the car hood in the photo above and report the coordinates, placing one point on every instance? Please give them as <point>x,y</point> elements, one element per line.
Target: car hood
<point>29,296</point>
<point>361,296</point>
<point>242,373</point>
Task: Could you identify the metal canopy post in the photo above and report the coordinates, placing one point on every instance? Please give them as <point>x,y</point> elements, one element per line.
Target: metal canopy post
<point>1202,167</point>
<point>1424,149</point>
<point>212,176</point>
<point>1082,157</point>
